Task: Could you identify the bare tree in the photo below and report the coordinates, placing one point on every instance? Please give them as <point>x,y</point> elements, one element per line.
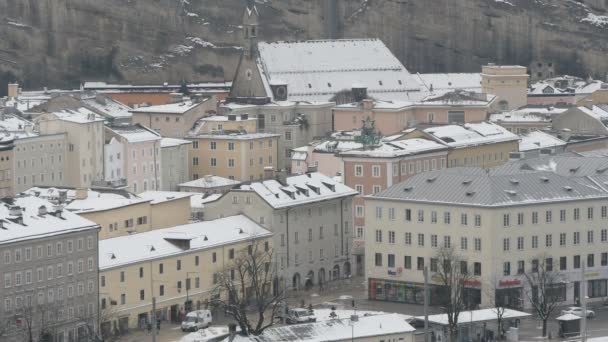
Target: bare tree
<point>451,272</point>
<point>244,290</point>
<point>544,287</point>
<point>498,305</point>
<point>36,322</point>
<point>92,322</point>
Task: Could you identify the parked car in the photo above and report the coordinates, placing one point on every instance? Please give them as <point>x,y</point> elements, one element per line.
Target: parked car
<point>197,320</point>
<point>300,315</point>
<point>578,311</point>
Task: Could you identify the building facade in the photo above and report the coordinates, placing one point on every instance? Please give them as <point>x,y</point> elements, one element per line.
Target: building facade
<point>501,224</point>
<point>508,82</point>
<point>85,139</point>
<point>176,265</point>
<point>40,160</point>
<point>50,272</point>
<point>135,150</point>
<point>174,120</point>
<point>311,218</point>
<point>174,171</point>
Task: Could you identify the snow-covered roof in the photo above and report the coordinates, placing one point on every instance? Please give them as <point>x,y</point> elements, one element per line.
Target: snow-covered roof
<point>13,124</point>
<point>155,244</point>
<point>476,316</point>
<point>458,97</point>
<point>397,148</point>
<point>535,140</point>
<point>108,106</point>
<point>528,114</point>
<point>450,81</point>
<point>234,136</point>
<point>301,189</point>
<point>171,108</point>
<point>158,87</point>
<point>135,133</point>
<point>80,115</point>
<point>163,196</point>
<point>598,112</point>
<point>335,330</point>
<point>481,187</point>
<point>24,103</point>
<point>210,181</point>
<point>223,118</point>
<point>94,201</point>
<point>172,142</point>
<point>471,134</point>
<point>280,104</point>
<point>568,317</point>
<point>198,200</point>
<point>35,224</point>
<point>316,70</point>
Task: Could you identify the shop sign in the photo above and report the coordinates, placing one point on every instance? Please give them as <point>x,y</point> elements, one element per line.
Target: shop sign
<point>507,283</point>
<point>395,272</point>
<point>472,283</point>
<point>359,243</point>
<point>592,274</point>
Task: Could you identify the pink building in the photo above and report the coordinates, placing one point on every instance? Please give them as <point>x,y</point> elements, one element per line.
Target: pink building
<point>393,116</point>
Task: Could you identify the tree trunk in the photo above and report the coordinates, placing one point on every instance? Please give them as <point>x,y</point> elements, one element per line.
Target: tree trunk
<point>545,327</point>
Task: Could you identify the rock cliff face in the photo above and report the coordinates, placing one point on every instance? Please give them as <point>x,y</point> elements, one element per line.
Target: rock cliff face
<point>63,42</point>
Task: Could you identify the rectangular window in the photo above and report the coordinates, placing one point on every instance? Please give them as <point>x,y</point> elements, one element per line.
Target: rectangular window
<point>407,262</point>
<point>604,261</point>
<point>506,220</point>
<point>548,217</point>
<point>420,215</point>
<point>477,268</point>
<point>521,267</point>
<point>604,235</point>
<point>434,241</point>
<point>604,211</point>
<point>577,261</point>
<point>433,217</point>
<point>506,268</point>
<point>378,259</point>
<point>520,219</point>
<point>590,236</point>
<point>534,217</point>
<point>590,213</point>
<point>420,263</point>
<point>563,261</point>
<point>391,236</point>
<point>391,260</point>
<point>447,243</point>
<point>577,214</point>
<point>506,244</point>
<point>359,170</point>
<point>478,244</point>
<point>477,220</point>
<point>421,240</point>
<point>463,243</point>
<point>446,217</point>
<point>534,241</point>
<point>548,240</point>
<point>378,212</point>
<point>576,238</point>
<point>391,214</point>
<point>378,235</point>
<point>562,215</point>
<point>520,243</point>
<point>464,219</point>
<point>590,260</point>
<point>562,239</point>
<point>408,215</point>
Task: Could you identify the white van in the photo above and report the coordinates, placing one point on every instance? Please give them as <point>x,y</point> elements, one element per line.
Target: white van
<point>197,320</point>
<point>300,315</point>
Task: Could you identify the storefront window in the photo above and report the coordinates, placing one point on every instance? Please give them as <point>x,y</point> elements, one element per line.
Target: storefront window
<point>596,288</point>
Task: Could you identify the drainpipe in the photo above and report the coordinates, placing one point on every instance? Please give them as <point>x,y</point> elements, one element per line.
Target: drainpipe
<point>342,226</point>
<point>287,234</point>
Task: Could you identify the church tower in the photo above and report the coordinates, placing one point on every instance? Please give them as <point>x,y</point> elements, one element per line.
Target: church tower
<point>250,28</point>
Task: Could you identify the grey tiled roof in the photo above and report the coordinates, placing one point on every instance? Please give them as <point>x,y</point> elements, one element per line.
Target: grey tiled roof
<point>479,187</point>
<point>568,165</point>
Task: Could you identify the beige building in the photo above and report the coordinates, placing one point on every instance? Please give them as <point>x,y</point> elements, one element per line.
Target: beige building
<point>588,120</point>
<point>477,144</point>
<point>235,155</point>
<point>174,170</point>
<point>121,213</point>
<point>179,266</point>
<point>508,82</point>
<point>40,160</point>
<point>85,141</point>
<point>174,120</point>
<point>501,222</point>
<point>132,157</point>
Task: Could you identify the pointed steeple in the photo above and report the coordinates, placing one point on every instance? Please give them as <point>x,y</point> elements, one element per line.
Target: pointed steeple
<point>250,28</point>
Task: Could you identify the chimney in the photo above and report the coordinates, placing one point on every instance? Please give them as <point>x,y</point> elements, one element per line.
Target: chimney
<point>359,92</point>
<point>100,98</point>
<point>368,104</point>
<point>58,209</point>
<point>281,176</point>
<point>42,210</point>
<point>15,210</point>
<point>268,172</point>
<point>81,193</point>
<point>13,90</point>
<point>63,196</point>
<point>208,178</point>
<point>589,104</point>
<point>565,134</point>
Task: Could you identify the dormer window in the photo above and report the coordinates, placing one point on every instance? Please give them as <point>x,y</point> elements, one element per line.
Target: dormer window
<point>328,84</point>
<point>380,82</point>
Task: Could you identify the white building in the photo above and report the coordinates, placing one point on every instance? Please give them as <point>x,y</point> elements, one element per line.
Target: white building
<point>133,157</point>
<point>501,221</point>
<point>312,221</point>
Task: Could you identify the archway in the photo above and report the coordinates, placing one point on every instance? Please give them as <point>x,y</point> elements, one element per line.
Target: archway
<point>336,272</point>
<point>310,280</point>
<point>503,105</point>
<point>347,269</point>
<point>321,278</point>
<point>296,282</point>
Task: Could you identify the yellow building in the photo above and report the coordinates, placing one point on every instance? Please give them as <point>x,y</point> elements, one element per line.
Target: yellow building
<point>227,146</point>
<point>121,213</point>
<point>178,266</point>
<point>477,144</point>
<point>7,155</point>
<point>508,82</point>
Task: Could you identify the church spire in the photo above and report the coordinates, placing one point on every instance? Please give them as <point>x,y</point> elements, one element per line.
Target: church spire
<point>250,28</point>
